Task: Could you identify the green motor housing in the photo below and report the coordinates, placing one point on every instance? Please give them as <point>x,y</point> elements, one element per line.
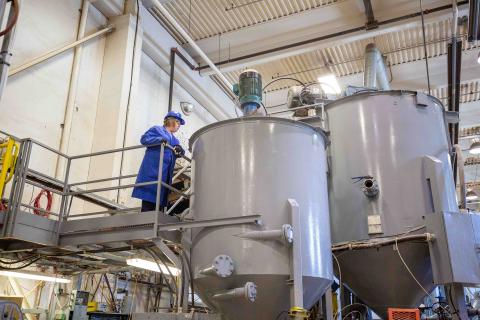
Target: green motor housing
<point>249,91</point>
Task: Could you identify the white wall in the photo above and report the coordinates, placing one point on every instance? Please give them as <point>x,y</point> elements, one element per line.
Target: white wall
<point>34,101</point>
<point>149,108</point>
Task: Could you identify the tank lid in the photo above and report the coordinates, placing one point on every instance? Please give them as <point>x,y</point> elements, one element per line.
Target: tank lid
<point>369,92</point>
<point>201,131</point>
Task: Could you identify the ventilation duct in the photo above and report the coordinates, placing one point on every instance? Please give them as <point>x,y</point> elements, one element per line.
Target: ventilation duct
<point>375,75</point>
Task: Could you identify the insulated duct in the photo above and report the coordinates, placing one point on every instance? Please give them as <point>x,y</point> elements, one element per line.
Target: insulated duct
<point>375,74</point>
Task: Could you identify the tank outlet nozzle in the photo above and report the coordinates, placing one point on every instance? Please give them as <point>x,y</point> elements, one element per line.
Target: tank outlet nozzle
<point>222,266</point>
<point>370,187</point>
<point>248,292</point>
<point>284,235</point>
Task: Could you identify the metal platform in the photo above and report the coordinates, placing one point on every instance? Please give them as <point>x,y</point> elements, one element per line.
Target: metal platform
<point>102,234</point>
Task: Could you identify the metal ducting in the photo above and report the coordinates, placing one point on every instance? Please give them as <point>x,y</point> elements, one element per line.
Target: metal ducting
<point>375,74</point>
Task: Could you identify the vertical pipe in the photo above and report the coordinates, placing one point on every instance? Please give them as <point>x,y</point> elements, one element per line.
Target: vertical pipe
<point>425,49</point>
<point>375,71</point>
<point>370,68</point>
<point>159,184</point>
<point>474,21</point>
<point>172,73</point>
<point>157,4</point>
<point>382,74</point>
<point>3,7</point>
<point>461,177</point>
<point>72,90</point>
<point>5,53</point>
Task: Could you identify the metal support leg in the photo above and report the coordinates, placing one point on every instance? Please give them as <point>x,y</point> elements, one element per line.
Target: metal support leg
<point>456,295</point>
<point>328,304</point>
<point>296,291</point>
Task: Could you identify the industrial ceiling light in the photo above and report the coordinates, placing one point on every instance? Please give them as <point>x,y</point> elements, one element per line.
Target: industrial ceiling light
<point>152,266</point>
<point>33,276</point>
<point>187,107</point>
<point>471,195</point>
<point>474,147</point>
<point>478,58</point>
<point>329,84</point>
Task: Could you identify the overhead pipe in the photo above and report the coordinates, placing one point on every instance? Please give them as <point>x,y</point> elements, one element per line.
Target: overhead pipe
<point>156,4</point>
<point>175,52</point>
<point>58,51</point>
<point>375,73</point>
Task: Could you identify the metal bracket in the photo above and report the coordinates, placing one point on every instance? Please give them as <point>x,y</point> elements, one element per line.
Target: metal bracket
<point>283,235</point>
<point>211,223</point>
<point>169,253</point>
<point>452,117</point>
<point>422,99</point>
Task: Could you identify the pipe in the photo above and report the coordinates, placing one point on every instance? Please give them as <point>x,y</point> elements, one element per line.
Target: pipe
<point>357,245</point>
<point>172,73</point>
<point>190,41</point>
<point>474,21</point>
<point>461,176</point>
<point>72,91</point>
<point>5,53</point>
<point>58,51</point>
<point>248,292</point>
<point>375,74</point>
<point>175,52</point>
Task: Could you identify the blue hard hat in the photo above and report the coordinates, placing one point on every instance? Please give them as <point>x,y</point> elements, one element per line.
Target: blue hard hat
<point>176,115</point>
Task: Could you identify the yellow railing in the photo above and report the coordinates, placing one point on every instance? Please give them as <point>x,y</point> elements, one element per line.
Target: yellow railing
<point>8,158</point>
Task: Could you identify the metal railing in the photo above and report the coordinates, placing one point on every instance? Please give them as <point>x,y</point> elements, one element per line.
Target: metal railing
<point>66,191</point>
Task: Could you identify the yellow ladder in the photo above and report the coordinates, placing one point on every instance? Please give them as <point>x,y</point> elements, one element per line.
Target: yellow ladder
<point>8,158</point>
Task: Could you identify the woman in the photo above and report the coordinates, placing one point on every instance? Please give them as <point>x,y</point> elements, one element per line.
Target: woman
<point>149,169</point>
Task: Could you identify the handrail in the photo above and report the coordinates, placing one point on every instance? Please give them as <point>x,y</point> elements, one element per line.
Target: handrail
<point>67,191</point>
<point>102,180</point>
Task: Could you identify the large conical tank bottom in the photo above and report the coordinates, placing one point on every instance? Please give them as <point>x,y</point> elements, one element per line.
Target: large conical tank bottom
<point>380,279</point>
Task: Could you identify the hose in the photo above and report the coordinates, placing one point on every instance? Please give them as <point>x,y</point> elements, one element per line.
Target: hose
<point>13,21</point>
<point>37,204</point>
<point>357,245</point>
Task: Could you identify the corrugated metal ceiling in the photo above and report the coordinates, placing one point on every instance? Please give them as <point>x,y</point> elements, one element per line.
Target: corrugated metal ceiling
<point>469,92</point>
<point>208,18</point>
<point>346,59</point>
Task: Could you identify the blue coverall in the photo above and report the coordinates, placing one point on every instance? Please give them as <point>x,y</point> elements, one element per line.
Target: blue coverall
<point>149,168</point>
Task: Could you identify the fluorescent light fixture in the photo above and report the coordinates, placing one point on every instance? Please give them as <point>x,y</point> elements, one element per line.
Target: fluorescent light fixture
<point>33,276</point>
<point>152,266</point>
<point>471,195</point>
<point>329,84</point>
<point>478,59</point>
<point>475,147</point>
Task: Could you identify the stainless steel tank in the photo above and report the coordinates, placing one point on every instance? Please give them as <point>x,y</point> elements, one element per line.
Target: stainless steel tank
<point>251,166</point>
<point>382,144</point>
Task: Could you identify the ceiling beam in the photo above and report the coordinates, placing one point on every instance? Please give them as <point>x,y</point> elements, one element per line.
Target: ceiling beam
<point>371,22</point>
<point>386,26</point>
